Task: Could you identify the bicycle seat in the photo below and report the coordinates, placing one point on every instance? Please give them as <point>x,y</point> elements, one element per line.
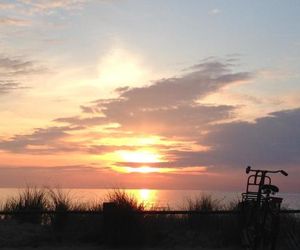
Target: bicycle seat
<point>270,188</point>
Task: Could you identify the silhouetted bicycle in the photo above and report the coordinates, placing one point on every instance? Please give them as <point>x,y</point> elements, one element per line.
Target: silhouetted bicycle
<point>260,210</point>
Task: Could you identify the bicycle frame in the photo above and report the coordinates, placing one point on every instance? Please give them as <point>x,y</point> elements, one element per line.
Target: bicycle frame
<point>258,179</point>
<point>260,209</point>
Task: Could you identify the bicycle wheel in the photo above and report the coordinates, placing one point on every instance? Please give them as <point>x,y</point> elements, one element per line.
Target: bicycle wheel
<point>249,234</point>
<point>269,228</point>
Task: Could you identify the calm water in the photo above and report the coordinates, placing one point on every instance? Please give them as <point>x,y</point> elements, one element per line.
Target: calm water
<point>175,199</point>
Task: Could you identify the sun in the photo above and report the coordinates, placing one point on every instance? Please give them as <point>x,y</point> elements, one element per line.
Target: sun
<point>141,159</point>
<point>145,170</point>
<point>142,156</point>
<point>142,170</point>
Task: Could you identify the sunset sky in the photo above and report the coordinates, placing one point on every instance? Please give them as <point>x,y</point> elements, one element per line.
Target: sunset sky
<point>148,94</point>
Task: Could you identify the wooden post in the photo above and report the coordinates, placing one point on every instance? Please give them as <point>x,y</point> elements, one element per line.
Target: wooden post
<point>121,225</point>
<point>109,221</point>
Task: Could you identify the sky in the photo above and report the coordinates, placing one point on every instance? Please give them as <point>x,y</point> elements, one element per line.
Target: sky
<point>148,94</point>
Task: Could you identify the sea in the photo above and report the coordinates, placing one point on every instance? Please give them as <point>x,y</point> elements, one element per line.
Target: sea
<point>173,199</point>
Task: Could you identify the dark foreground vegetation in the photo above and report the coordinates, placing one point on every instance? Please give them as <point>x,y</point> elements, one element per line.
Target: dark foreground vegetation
<point>47,217</point>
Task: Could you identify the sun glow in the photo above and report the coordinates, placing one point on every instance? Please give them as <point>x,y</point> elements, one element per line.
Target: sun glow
<point>144,156</point>
<point>146,170</point>
<point>147,196</point>
<point>120,66</point>
<point>141,170</point>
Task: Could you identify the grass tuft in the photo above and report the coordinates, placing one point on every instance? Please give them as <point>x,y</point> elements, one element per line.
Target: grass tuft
<point>124,201</point>
<point>204,202</point>
<point>61,203</point>
<point>28,205</point>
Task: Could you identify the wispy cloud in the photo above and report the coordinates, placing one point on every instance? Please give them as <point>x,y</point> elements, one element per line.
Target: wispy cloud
<point>8,86</point>
<point>9,21</point>
<point>47,140</point>
<point>7,6</point>
<point>35,7</point>
<point>47,6</point>
<point>14,66</point>
<point>13,69</point>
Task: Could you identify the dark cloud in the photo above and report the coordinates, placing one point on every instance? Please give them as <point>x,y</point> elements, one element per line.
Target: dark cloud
<point>42,140</point>
<point>78,121</point>
<point>90,109</point>
<point>183,121</point>
<point>269,142</point>
<point>272,142</point>
<point>102,149</point>
<point>168,106</point>
<point>205,78</point>
<point>54,140</point>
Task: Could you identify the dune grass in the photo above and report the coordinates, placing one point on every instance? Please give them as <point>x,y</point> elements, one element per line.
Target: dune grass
<point>204,202</point>
<point>28,205</point>
<point>217,230</point>
<point>123,223</point>
<point>124,201</point>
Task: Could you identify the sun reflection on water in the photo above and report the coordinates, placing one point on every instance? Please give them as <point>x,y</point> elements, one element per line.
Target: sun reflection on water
<point>146,196</point>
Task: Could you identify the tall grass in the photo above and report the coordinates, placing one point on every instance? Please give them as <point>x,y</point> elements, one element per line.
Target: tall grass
<point>204,203</point>
<point>290,231</point>
<point>216,230</point>
<point>61,203</point>
<point>28,205</point>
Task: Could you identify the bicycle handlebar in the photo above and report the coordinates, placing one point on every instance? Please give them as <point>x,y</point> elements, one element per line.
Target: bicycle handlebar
<point>248,170</point>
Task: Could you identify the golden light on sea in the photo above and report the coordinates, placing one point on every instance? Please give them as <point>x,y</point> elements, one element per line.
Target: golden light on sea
<point>146,196</point>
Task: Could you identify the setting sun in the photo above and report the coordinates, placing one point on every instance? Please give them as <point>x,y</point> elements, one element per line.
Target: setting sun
<point>146,170</point>
<point>142,169</point>
<point>144,156</point>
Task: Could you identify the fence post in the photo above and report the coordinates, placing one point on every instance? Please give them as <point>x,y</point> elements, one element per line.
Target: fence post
<point>109,221</point>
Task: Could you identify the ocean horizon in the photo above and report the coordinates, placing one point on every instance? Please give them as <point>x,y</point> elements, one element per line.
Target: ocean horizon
<point>159,198</point>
